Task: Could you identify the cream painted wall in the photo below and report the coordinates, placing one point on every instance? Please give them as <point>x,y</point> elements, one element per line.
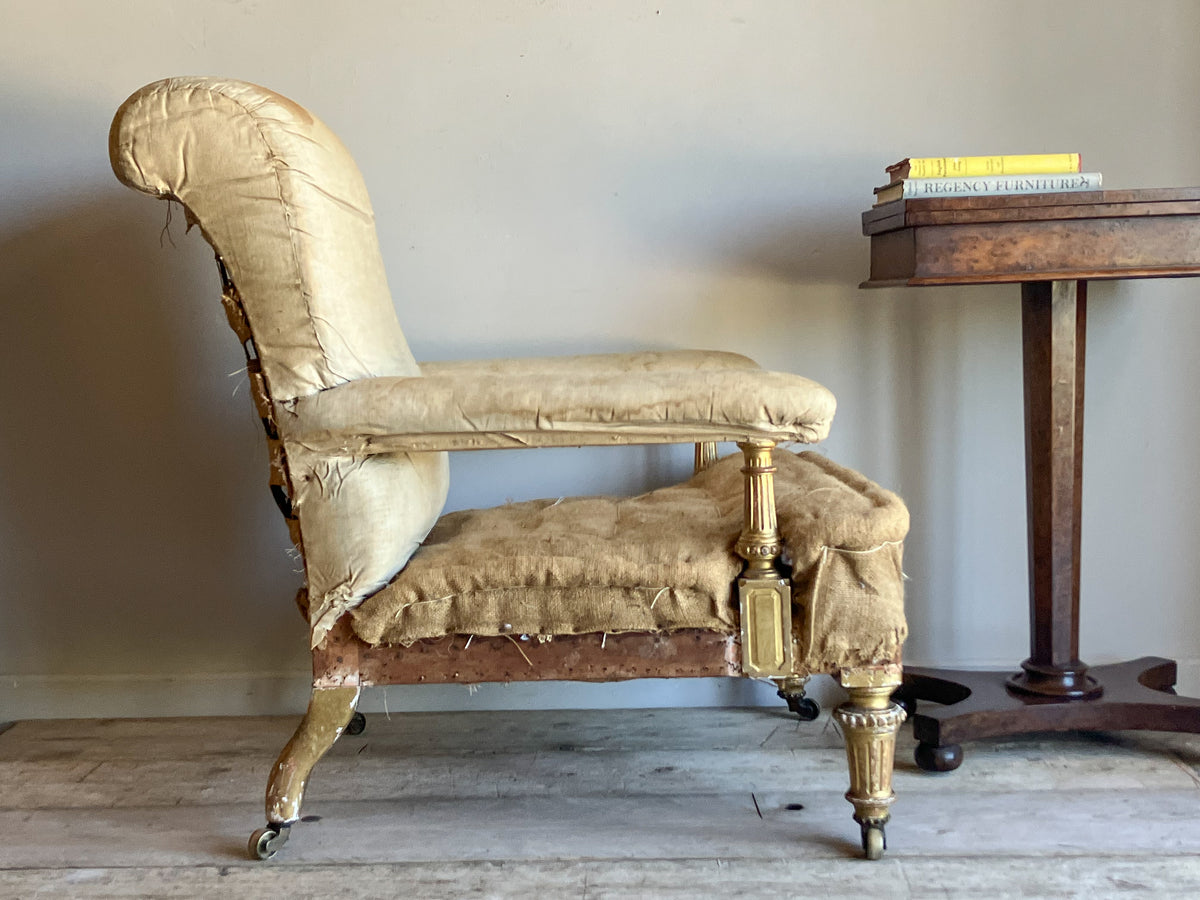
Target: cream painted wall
<point>565,177</point>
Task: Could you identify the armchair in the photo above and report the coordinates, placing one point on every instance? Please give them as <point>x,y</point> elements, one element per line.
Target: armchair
<point>768,563</point>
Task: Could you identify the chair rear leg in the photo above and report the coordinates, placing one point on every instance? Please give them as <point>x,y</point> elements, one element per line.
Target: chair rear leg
<point>870,721</point>
<point>329,711</point>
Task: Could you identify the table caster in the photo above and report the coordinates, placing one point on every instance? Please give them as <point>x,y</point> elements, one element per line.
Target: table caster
<point>906,702</point>
<point>266,842</point>
<point>935,758</point>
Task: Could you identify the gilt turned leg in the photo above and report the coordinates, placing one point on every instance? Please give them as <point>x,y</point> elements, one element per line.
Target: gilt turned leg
<point>329,711</point>
<point>870,721</point>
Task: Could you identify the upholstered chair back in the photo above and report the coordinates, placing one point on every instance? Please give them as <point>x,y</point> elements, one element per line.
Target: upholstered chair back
<point>283,205</point>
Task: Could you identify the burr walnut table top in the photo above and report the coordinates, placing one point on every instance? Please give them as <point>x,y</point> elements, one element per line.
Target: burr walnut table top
<point>1087,235</point>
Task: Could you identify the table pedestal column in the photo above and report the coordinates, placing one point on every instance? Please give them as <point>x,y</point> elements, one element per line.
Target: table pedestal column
<point>1054,690</point>
<point>1054,335</point>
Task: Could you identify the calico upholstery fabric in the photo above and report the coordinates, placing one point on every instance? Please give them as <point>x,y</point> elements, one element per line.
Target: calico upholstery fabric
<point>660,562</point>
<point>464,409</point>
<point>362,425</point>
<point>284,207</point>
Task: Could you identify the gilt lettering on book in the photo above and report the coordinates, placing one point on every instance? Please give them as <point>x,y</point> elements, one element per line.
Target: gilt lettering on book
<point>974,166</point>
<point>911,188</point>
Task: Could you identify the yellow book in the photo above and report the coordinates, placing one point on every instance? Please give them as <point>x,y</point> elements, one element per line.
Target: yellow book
<point>976,166</point>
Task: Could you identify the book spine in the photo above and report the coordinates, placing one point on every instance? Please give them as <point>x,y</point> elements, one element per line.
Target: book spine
<point>972,166</point>
<point>1012,184</point>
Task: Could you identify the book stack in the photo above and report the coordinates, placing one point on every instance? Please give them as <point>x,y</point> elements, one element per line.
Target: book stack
<point>982,176</point>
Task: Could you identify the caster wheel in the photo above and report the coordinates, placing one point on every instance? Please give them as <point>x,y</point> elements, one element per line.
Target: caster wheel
<point>933,758</point>
<point>266,842</point>
<point>357,724</point>
<point>874,841</point>
<point>805,708</point>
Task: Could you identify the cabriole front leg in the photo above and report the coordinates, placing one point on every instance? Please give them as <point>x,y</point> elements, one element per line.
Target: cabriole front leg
<point>329,711</point>
<point>870,722</point>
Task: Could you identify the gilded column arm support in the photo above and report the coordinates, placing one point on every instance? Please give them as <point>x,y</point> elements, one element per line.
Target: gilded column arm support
<point>764,594</point>
<point>759,543</point>
<point>706,455</point>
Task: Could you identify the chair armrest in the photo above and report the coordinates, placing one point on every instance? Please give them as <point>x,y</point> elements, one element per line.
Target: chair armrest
<point>462,408</point>
<point>612,363</point>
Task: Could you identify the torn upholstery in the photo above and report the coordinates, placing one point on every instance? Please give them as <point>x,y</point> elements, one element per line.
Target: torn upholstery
<point>362,425</point>
<point>284,207</point>
<point>663,561</point>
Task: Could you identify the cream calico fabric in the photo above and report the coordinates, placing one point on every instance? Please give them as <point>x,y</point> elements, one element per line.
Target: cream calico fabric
<point>282,203</point>
<point>464,409</point>
<point>605,363</point>
<point>660,562</point>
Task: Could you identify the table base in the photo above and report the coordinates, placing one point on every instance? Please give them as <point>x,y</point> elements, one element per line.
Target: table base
<point>963,705</point>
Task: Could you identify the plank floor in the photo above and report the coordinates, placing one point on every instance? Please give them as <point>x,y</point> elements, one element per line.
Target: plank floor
<point>587,804</point>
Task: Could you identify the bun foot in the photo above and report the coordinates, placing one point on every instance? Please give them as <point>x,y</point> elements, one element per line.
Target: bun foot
<point>934,758</point>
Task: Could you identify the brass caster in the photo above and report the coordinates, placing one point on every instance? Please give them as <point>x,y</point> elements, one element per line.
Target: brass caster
<point>874,840</point>
<point>357,724</point>
<point>934,758</point>
<point>266,842</point>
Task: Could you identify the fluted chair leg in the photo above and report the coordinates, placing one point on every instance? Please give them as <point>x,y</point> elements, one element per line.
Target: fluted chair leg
<point>329,712</point>
<point>764,593</point>
<point>870,722</point>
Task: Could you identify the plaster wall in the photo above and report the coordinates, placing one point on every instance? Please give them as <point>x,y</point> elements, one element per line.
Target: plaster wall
<point>560,177</point>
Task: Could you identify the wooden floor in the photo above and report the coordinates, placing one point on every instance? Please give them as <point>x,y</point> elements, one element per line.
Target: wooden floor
<point>587,804</point>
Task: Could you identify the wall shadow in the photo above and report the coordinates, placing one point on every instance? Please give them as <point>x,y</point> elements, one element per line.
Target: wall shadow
<point>138,532</point>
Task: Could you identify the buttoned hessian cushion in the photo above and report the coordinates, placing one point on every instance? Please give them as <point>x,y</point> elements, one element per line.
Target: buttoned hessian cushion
<point>662,561</point>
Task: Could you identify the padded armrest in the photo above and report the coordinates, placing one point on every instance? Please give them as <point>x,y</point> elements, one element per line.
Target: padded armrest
<point>514,404</point>
<point>611,363</point>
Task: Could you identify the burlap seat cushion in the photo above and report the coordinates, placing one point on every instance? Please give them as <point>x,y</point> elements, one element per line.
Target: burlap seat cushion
<point>659,562</point>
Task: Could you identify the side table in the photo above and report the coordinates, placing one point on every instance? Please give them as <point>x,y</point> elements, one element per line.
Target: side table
<point>1052,244</point>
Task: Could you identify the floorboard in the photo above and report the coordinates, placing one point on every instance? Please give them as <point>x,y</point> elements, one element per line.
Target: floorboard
<point>590,804</point>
